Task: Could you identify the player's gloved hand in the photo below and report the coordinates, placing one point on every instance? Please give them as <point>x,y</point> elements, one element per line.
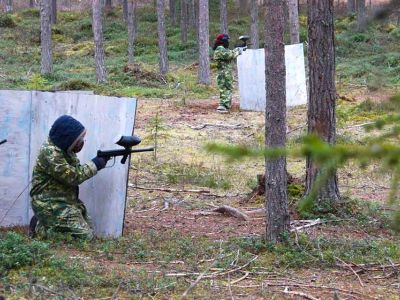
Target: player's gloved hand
<point>100,162</point>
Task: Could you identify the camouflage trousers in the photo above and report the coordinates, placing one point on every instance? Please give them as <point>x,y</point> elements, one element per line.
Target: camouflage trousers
<point>69,219</point>
<point>224,82</point>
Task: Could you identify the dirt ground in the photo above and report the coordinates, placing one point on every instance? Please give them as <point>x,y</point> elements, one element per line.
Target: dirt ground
<point>157,204</point>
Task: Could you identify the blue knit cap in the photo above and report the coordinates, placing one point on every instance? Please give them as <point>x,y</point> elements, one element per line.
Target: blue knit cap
<point>65,131</point>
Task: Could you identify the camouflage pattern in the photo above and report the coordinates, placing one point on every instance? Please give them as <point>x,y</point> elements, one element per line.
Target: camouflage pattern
<point>56,177</point>
<point>224,57</point>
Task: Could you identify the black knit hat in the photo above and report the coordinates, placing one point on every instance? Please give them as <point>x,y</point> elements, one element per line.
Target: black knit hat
<point>65,132</point>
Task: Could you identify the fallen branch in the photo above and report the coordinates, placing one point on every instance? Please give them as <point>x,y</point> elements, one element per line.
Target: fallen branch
<point>168,189</point>
<point>234,212</point>
<point>246,274</point>
<point>115,294</point>
<point>313,223</point>
<point>227,126</point>
<point>352,270</point>
<point>304,295</point>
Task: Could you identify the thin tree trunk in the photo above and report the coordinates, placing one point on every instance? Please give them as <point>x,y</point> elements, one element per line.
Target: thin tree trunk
<point>46,65</point>
<point>223,16</point>
<point>351,7</point>
<point>108,4</point>
<point>125,9</point>
<point>172,11</point>
<point>31,3</point>
<point>243,7</point>
<point>275,123</point>
<point>162,37</point>
<point>97,26</point>
<point>131,11</point>
<point>294,21</point>
<point>322,94</point>
<point>53,11</point>
<point>9,6</point>
<point>254,24</point>
<point>192,13</point>
<point>204,73</point>
<point>361,15</point>
<point>184,21</point>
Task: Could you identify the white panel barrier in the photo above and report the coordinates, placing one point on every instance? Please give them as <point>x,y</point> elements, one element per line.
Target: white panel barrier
<point>251,76</point>
<point>105,118</point>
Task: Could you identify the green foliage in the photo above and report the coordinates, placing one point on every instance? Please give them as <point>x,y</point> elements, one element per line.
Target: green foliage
<point>29,13</point>
<point>75,84</point>
<point>17,251</point>
<point>37,82</point>
<point>7,21</point>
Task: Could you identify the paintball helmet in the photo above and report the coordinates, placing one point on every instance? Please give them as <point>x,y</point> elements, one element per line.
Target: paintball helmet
<point>222,39</point>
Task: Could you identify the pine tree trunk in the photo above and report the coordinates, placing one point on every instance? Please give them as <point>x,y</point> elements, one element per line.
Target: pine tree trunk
<point>99,55</point>
<point>184,21</point>
<point>351,7</point>
<point>53,11</point>
<point>254,24</point>
<point>9,6</point>
<point>294,21</point>
<point>275,123</point>
<point>243,7</point>
<point>108,4</point>
<point>172,11</point>
<point>131,11</point>
<point>31,3</point>
<point>361,15</point>
<point>46,65</point>
<point>322,92</point>
<point>162,37</point>
<point>125,9</point>
<point>223,16</point>
<point>192,13</point>
<point>204,73</point>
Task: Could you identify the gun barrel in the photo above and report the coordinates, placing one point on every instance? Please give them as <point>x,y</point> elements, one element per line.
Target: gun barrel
<point>3,141</point>
<point>122,152</point>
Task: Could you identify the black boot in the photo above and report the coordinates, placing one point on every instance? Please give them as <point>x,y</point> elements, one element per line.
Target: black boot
<point>32,226</point>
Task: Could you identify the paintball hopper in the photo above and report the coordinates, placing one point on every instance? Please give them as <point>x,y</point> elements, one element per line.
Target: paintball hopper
<point>243,44</point>
<point>128,141</point>
<point>3,141</point>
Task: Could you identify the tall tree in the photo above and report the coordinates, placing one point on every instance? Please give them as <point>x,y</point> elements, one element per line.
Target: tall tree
<point>99,55</point>
<point>31,3</point>
<point>254,24</point>
<point>351,7</point>
<point>361,15</point>
<point>108,4</point>
<point>131,10</point>
<point>321,113</point>
<point>204,72</point>
<point>9,6</point>
<point>172,12</point>
<point>293,7</point>
<point>53,11</point>
<point>184,20</point>
<point>46,64</point>
<point>162,37</point>
<point>223,16</point>
<point>275,122</point>
<point>192,13</point>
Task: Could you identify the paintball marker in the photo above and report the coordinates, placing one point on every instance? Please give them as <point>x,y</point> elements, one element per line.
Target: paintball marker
<point>127,142</point>
<point>243,45</point>
<point>3,141</point>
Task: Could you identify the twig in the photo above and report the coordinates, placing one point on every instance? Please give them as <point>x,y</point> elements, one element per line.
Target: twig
<point>194,283</point>
<point>295,129</point>
<point>286,291</point>
<point>228,126</point>
<point>234,212</point>
<point>230,286</point>
<point>168,189</point>
<point>360,125</point>
<point>352,270</point>
<point>115,294</point>
<point>313,223</point>
<point>241,278</point>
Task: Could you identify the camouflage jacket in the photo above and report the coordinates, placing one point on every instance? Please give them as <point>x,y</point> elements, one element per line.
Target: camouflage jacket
<point>224,57</point>
<point>56,177</point>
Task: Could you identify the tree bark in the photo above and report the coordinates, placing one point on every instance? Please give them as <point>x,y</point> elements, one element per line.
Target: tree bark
<point>223,16</point>
<point>184,21</point>
<point>204,73</point>
<point>108,4</point>
<point>254,24</point>
<point>53,11</point>
<point>162,37</point>
<point>125,9</point>
<point>9,6</point>
<point>294,21</point>
<point>31,3</point>
<point>243,7</point>
<point>131,11</point>
<point>351,7</point>
<point>46,64</point>
<point>172,11</point>
<point>97,26</point>
<point>192,13</point>
<point>361,15</point>
<point>322,93</point>
<point>278,220</point>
